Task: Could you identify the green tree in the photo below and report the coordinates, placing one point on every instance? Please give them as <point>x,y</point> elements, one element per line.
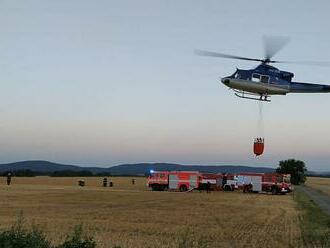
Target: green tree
<point>294,167</point>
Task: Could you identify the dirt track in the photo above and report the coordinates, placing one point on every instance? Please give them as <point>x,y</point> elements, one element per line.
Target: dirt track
<point>321,199</point>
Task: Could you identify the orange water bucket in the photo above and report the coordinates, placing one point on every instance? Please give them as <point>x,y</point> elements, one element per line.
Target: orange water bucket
<point>258,146</point>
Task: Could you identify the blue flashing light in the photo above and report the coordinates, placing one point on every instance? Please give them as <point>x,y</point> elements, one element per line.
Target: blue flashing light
<point>152,171</point>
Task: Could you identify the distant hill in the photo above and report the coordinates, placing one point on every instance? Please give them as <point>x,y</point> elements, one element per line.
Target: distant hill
<point>46,166</point>
<point>127,169</point>
<point>318,173</point>
<point>143,168</point>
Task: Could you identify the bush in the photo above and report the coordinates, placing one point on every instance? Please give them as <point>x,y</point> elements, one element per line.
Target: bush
<point>18,237</point>
<point>77,240</point>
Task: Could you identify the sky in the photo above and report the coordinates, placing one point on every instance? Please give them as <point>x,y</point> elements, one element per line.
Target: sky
<point>100,83</point>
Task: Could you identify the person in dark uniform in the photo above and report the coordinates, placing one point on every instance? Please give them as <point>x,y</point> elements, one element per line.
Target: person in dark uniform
<point>105,182</point>
<point>8,178</point>
<point>208,187</point>
<point>224,180</point>
<point>133,181</point>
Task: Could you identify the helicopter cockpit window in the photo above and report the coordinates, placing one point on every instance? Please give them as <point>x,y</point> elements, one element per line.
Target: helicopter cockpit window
<point>255,77</point>
<point>235,75</point>
<point>264,79</point>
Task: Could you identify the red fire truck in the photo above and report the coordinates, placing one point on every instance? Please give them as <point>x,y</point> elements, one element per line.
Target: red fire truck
<point>214,180</point>
<point>188,180</point>
<point>248,182</point>
<point>268,182</point>
<point>174,180</point>
<point>225,182</point>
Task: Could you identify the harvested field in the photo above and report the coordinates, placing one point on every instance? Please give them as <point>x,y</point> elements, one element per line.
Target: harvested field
<point>131,216</point>
<point>319,183</point>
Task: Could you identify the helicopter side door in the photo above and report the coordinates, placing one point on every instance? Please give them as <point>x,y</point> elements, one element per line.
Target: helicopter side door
<point>264,79</point>
<point>256,77</point>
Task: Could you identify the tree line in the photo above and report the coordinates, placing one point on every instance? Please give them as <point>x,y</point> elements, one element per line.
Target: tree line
<point>62,173</point>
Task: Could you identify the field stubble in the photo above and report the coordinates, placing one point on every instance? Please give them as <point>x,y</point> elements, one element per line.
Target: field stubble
<point>131,216</point>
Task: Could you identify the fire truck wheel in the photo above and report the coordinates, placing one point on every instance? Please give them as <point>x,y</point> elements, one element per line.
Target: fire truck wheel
<point>227,188</point>
<point>183,188</point>
<point>155,187</point>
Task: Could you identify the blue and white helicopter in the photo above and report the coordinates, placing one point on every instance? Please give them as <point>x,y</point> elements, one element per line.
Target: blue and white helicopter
<point>265,80</point>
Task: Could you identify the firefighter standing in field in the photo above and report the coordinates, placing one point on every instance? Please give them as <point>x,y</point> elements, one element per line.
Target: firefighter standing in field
<point>208,187</point>
<point>8,178</point>
<point>105,182</point>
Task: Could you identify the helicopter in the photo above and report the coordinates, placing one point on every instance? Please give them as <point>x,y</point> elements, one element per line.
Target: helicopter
<point>266,80</point>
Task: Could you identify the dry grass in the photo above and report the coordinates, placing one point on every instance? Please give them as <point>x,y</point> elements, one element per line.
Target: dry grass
<point>314,223</point>
<point>130,216</point>
<point>320,183</point>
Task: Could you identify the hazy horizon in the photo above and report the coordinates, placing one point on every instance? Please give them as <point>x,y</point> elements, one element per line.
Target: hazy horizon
<point>159,162</point>
<point>111,82</point>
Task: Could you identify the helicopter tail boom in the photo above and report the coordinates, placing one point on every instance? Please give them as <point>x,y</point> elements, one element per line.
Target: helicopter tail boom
<point>297,87</point>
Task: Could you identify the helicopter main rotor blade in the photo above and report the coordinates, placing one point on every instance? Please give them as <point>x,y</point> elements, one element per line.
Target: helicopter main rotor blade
<point>315,63</point>
<point>223,55</point>
<point>273,44</point>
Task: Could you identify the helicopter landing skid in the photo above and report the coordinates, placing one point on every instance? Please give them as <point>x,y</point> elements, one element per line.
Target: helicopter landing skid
<point>262,97</point>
